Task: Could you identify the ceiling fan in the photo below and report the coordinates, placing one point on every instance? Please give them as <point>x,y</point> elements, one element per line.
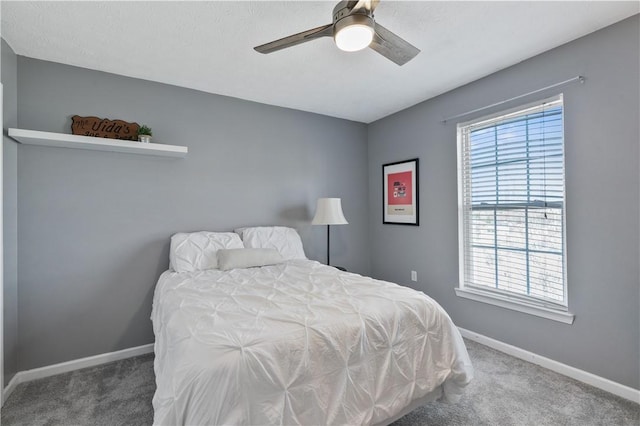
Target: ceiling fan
<point>354,28</point>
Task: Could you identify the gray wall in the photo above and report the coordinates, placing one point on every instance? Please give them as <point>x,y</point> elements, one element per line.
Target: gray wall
<point>601,144</point>
<point>94,226</point>
<point>10,211</point>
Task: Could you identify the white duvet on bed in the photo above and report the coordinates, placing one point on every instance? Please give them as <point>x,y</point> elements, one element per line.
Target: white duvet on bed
<point>298,343</point>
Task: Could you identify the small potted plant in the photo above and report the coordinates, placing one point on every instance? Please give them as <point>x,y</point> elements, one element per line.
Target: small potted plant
<point>144,134</point>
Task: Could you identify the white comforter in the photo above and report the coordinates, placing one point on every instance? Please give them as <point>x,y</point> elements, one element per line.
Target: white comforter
<point>298,343</point>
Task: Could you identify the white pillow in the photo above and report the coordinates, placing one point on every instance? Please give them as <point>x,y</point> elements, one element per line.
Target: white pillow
<point>247,258</point>
<point>285,240</point>
<point>196,251</point>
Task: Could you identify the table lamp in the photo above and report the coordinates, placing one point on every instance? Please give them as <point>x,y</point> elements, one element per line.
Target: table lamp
<point>329,212</point>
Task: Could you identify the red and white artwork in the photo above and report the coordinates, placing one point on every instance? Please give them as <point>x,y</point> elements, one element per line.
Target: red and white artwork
<point>400,192</point>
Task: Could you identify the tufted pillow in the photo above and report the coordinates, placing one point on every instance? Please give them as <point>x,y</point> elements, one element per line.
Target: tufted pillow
<point>247,258</point>
<point>196,251</point>
<point>285,240</point>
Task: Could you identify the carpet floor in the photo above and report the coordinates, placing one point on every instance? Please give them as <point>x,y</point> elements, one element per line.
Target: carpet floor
<point>505,391</point>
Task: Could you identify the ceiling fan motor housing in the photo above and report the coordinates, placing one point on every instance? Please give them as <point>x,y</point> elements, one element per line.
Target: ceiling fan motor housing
<point>353,19</point>
<point>345,9</point>
<point>342,9</point>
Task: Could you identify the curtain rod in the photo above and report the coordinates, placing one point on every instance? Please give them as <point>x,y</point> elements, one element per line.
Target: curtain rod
<point>576,78</point>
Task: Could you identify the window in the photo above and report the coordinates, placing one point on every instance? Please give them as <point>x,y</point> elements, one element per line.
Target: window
<point>511,210</point>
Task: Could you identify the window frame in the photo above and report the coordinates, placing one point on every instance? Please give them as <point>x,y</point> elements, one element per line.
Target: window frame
<point>511,300</point>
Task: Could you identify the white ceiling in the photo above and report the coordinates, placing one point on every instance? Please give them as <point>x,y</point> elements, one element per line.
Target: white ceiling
<point>208,46</point>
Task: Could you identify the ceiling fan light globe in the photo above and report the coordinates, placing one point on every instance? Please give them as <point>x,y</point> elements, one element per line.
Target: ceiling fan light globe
<point>354,37</point>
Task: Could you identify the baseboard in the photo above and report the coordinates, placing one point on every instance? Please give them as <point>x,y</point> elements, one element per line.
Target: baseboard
<point>15,381</point>
<point>610,386</point>
<point>76,364</point>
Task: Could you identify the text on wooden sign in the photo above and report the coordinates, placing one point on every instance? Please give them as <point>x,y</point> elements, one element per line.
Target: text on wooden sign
<point>104,128</point>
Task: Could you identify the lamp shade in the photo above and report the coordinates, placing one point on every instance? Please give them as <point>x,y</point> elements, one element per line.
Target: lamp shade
<point>329,212</point>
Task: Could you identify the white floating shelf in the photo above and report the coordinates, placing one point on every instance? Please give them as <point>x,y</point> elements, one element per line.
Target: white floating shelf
<point>62,140</point>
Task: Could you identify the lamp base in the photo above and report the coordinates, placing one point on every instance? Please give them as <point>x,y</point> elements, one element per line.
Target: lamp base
<point>328,245</point>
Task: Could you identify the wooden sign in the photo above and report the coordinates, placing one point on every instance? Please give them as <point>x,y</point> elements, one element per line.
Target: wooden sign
<point>104,128</point>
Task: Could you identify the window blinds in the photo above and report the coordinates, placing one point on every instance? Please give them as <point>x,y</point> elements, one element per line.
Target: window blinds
<point>512,172</point>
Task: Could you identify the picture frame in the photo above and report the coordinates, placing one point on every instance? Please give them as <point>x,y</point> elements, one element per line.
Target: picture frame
<point>400,193</point>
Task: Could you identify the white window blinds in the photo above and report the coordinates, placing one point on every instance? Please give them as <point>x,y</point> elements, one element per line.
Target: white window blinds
<point>512,204</point>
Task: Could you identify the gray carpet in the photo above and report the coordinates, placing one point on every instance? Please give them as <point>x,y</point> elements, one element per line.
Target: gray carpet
<point>505,391</point>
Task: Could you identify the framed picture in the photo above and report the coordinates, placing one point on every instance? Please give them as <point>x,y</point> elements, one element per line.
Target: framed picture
<point>400,193</point>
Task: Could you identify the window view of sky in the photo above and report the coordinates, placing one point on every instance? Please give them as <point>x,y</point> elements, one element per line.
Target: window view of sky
<point>517,196</point>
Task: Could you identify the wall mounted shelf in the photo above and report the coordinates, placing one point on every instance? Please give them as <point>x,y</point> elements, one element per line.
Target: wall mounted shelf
<point>62,140</point>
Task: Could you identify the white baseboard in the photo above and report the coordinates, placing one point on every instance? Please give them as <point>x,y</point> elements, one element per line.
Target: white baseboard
<point>610,386</point>
<point>11,386</point>
<point>76,364</point>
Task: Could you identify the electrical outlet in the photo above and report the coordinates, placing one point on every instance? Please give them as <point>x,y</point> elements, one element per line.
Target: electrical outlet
<point>414,276</point>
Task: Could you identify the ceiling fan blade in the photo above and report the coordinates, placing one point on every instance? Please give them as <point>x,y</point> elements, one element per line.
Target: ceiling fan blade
<point>292,40</point>
<point>392,47</point>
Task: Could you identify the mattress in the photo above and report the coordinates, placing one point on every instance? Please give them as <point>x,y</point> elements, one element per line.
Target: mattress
<point>298,343</point>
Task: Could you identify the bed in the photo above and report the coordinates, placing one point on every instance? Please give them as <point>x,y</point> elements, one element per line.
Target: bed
<point>292,341</point>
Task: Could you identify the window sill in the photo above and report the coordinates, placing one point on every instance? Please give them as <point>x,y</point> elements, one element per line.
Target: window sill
<point>508,303</point>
